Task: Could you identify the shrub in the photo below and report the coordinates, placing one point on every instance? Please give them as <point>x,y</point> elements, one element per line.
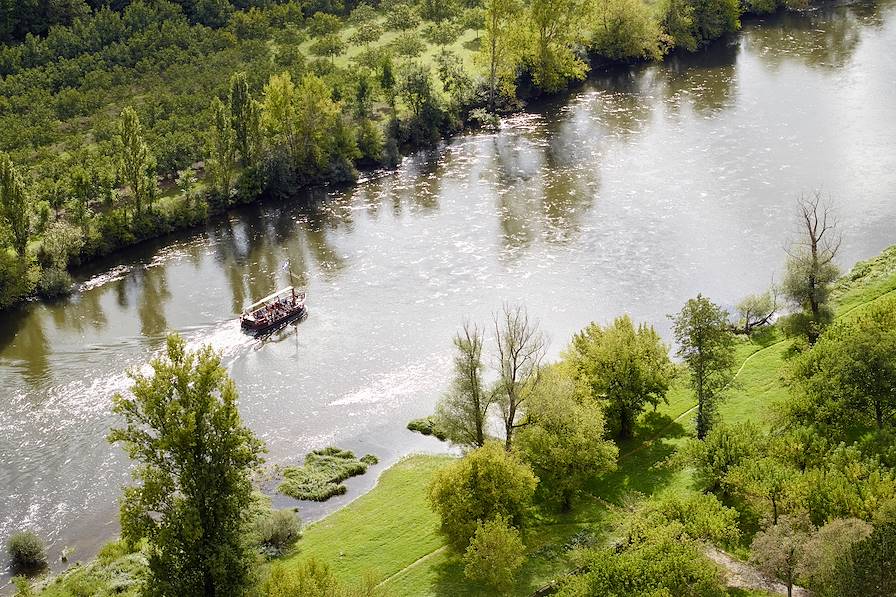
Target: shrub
<point>278,530</point>
<point>486,483</point>
<point>27,551</point>
<point>428,426</point>
<point>495,555</point>
<point>54,283</point>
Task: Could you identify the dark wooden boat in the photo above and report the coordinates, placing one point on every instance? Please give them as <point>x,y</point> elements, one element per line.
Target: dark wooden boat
<point>273,311</point>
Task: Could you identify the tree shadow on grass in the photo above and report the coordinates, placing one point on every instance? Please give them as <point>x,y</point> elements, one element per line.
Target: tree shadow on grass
<point>643,468</point>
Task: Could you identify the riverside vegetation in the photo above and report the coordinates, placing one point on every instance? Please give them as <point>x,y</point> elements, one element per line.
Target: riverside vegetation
<point>121,121</point>
<point>620,471</point>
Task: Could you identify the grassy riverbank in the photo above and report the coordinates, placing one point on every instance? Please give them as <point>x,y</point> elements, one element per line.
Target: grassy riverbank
<point>390,534</point>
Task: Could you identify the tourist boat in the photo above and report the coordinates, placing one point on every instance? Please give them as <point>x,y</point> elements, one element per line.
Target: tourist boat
<point>273,311</point>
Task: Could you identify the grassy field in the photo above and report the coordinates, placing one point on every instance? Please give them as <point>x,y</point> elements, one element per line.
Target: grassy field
<point>392,533</point>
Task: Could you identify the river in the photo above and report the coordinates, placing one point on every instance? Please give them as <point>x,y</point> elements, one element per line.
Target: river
<point>635,192</point>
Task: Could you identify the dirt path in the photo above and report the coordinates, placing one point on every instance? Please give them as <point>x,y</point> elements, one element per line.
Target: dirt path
<point>744,576</point>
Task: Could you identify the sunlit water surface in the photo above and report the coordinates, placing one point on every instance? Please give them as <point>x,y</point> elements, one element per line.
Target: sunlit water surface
<point>638,191</point>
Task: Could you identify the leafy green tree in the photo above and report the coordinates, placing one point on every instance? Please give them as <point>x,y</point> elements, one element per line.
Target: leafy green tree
<point>724,448</point>
<point>463,412</point>
<point>402,17</point>
<point>624,367</point>
<point>706,346</point>
<point>778,549</point>
<point>222,147</point>
<point>367,33</point>
<point>195,456</point>
<point>328,46</point>
<point>563,440</point>
<point>408,44</point>
<point>61,242</point>
<point>677,21</point>
<point>767,479</point>
<point>454,77</point>
<point>499,51</point>
<point>494,555</point>
<point>15,206</point>
<point>487,482</point>
<point>714,18</point>
<point>521,348</point>
<point>850,373</point>
<point>242,115</point>
<point>625,30</point>
<point>136,165</point>
<point>322,24</point>
<point>811,271</point>
<point>756,311</point>
<point>556,26</point>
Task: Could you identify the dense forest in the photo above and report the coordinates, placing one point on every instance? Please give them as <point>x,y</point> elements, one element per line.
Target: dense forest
<point>120,121</point>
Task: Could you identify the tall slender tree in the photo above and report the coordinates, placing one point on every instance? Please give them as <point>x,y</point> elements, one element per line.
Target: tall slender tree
<point>14,204</point>
<point>222,149</point>
<point>706,345</point>
<point>499,48</point>
<point>136,165</point>
<point>241,115</point>
<point>463,412</point>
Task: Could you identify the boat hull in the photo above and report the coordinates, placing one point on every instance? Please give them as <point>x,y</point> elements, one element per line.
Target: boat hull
<point>256,328</point>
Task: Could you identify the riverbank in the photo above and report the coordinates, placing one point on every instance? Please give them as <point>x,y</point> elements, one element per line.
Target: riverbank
<point>390,535</point>
<point>110,230</point>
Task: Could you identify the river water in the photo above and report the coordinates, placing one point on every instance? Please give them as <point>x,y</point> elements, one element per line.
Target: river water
<point>639,190</point>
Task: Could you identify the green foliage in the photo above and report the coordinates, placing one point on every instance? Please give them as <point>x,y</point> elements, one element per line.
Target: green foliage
<point>27,551</point>
<point>428,426</point>
<point>626,30</point>
<point>322,24</point>
<point>15,209</point>
<point>756,311</point>
<point>822,553</point>
<point>321,476</point>
<point>195,458</point>
<point>700,517</point>
<point>663,563</point>
<point>848,377</point>
<point>54,283</point>
<point>62,242</point>
<point>222,149</point>
<point>310,578</point>
<point>494,555</point>
<point>714,18</point>
<point>768,479</point>
<point>486,483</point>
<point>623,367</point>
<point>706,346</point>
<point>462,414</point>
<point>402,17</point>
<point>556,30</point>
<point>277,530</point>
<point>724,448</point>
<point>866,568</point>
<point>18,278</point>
<point>499,51</point>
<point>563,440</point>
<point>136,165</point>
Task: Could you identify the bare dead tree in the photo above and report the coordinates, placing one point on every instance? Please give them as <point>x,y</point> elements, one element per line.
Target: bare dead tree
<point>521,347</point>
<point>810,269</point>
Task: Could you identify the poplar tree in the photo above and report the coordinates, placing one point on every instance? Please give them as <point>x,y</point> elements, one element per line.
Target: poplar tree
<point>136,165</point>
<point>499,51</point>
<point>15,207</point>
<point>241,108</point>
<point>222,149</point>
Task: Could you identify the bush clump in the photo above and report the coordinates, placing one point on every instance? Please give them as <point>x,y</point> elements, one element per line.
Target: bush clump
<point>27,551</point>
<point>320,478</point>
<point>277,531</point>
<point>428,426</point>
<point>55,283</point>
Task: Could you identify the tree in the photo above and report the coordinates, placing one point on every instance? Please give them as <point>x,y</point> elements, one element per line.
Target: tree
<point>851,370</point>
<point>556,26</point>
<point>724,448</point>
<point>195,456</point>
<point>624,367</point>
<point>520,349</point>
<point>778,550</point>
<point>367,33</point>
<point>494,555</point>
<point>402,17</point>
<point>463,412</point>
<point>328,45</point>
<point>766,478</point>
<point>811,272</point>
<point>866,568</point>
<point>486,483</point>
<point>222,149</point>
<point>136,166</point>
<point>822,552</point>
<point>322,24</point>
<point>15,207</point>
<point>499,52</point>
<point>625,30</point>
<point>563,440</point>
<point>242,115</point>
<point>756,311</point>
<point>706,346</point>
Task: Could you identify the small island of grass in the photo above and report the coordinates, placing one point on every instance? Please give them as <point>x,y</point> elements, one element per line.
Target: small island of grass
<point>321,477</point>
